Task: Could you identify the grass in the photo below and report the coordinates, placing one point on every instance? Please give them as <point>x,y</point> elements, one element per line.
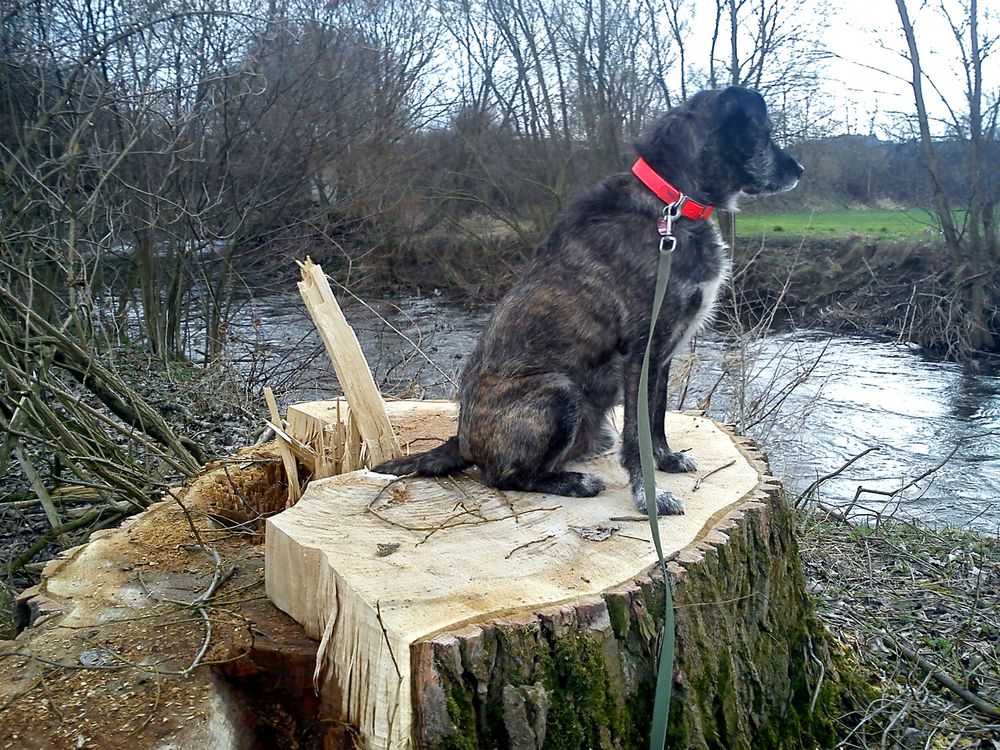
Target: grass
<point>912,225</point>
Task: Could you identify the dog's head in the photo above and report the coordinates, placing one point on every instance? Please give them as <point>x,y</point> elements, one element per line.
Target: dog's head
<point>718,144</point>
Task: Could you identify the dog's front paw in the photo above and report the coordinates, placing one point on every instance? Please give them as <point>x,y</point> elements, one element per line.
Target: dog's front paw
<point>674,461</point>
<point>667,503</point>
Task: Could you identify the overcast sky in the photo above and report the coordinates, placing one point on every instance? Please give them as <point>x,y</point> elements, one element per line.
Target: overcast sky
<point>866,37</point>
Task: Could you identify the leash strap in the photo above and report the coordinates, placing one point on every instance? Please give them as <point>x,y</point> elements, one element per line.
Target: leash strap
<point>665,670</point>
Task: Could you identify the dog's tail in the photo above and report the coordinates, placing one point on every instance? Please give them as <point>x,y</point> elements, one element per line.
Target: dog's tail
<point>437,462</point>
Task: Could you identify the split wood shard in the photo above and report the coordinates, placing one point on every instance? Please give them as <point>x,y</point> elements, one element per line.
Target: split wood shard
<point>366,405</point>
<point>284,449</point>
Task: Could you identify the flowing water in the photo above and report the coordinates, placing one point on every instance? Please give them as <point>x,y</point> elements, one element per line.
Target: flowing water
<point>812,401</point>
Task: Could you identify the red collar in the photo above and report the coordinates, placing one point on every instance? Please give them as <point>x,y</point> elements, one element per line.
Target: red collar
<point>668,193</point>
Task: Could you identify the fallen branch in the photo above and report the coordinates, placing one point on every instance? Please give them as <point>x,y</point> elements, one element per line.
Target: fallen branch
<point>40,543</point>
<point>980,704</point>
<point>811,489</point>
<point>112,391</point>
<point>31,473</point>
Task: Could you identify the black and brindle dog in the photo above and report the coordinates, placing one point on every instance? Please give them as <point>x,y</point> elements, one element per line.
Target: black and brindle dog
<point>567,342</point>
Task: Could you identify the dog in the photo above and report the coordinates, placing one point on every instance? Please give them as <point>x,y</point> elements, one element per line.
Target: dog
<point>567,341</point>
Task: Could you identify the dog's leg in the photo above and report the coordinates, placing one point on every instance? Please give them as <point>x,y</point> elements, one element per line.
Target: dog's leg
<point>524,441</point>
<point>666,459</point>
<point>605,439</point>
<point>596,434</point>
<point>667,503</point>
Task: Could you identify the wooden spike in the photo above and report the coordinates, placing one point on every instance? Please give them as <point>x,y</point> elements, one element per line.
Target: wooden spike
<point>363,397</point>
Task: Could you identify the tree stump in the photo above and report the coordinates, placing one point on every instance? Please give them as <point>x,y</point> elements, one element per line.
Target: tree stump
<point>453,615</point>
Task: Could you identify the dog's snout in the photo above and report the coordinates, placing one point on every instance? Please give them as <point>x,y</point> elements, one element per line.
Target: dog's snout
<point>789,163</point>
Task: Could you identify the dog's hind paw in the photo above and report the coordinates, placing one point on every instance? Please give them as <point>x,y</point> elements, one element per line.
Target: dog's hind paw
<point>605,440</point>
<point>667,503</point>
<point>566,483</point>
<point>675,462</point>
<point>589,485</point>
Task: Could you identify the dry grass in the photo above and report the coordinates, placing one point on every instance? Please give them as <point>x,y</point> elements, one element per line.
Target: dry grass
<point>888,588</point>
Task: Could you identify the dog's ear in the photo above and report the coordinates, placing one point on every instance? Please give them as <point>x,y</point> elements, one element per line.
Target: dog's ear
<point>738,105</point>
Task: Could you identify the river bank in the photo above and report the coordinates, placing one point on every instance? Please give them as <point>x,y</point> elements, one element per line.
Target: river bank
<point>895,291</point>
<point>880,286</point>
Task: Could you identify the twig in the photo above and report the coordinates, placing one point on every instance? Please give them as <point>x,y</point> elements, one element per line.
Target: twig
<point>822,674</point>
<point>196,662</point>
<point>636,538</point>
<point>187,515</point>
<point>528,544</point>
<point>980,704</point>
<point>893,493</point>
<point>808,491</point>
<point>216,575</point>
<point>707,474</point>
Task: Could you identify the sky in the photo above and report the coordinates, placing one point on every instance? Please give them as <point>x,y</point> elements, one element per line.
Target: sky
<point>867,76</point>
<point>871,77</point>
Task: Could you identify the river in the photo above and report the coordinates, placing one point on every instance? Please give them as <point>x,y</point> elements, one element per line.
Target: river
<point>811,400</point>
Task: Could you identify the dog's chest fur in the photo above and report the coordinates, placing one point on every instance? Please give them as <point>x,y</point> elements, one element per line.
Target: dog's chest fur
<point>697,293</point>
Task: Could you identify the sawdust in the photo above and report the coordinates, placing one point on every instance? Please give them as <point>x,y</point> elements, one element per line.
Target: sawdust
<point>109,672</point>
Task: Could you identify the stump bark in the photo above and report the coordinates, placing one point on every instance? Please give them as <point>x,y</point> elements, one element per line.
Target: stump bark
<point>455,616</point>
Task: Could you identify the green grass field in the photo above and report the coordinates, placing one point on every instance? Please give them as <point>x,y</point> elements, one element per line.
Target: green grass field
<point>911,225</point>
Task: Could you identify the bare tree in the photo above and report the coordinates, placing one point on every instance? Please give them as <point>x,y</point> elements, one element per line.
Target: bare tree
<point>151,153</point>
<point>971,239</point>
<point>564,84</point>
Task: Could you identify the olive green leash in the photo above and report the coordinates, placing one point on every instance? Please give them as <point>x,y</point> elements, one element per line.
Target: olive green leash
<point>665,670</point>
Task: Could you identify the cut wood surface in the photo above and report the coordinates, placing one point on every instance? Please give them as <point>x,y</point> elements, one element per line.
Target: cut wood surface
<point>350,365</point>
<point>467,554</point>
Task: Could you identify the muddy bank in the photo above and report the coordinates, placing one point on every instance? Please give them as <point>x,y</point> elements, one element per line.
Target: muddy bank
<point>902,292</point>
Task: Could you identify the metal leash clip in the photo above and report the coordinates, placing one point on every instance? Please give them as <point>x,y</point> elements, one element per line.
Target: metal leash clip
<point>665,226</point>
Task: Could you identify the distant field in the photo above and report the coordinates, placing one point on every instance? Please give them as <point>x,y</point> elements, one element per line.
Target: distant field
<point>894,226</point>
